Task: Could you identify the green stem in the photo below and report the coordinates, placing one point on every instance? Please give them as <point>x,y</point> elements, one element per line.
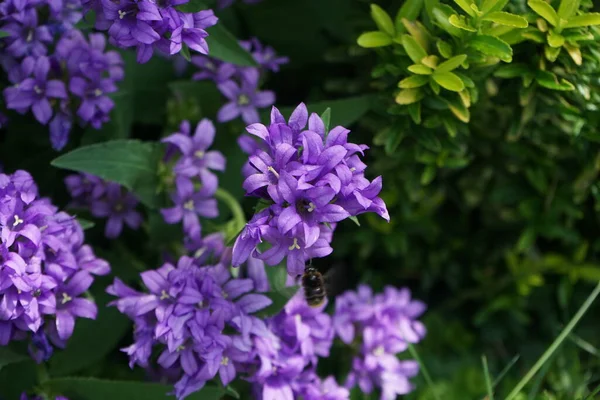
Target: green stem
<point>488,381</point>
<point>234,206</point>
<point>557,342</point>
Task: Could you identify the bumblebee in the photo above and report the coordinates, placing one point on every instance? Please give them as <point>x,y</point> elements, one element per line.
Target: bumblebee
<point>313,284</point>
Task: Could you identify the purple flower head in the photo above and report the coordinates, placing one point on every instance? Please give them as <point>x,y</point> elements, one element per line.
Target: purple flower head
<point>35,91</point>
<point>185,314</point>
<point>226,3</point>
<point>265,56</point>
<point>26,37</point>
<point>119,207</point>
<point>311,387</point>
<point>212,69</point>
<point>189,205</point>
<point>150,26</point>
<point>45,268</point>
<point>385,323</point>
<point>84,188</point>
<point>310,179</point>
<point>244,99</point>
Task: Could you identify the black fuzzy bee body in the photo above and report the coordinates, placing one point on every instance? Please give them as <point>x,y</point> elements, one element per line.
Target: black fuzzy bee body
<point>314,286</point>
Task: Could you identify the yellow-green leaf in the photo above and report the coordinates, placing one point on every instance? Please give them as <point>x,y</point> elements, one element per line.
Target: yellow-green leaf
<point>583,20</point>
<point>449,81</point>
<point>413,49</point>
<point>493,5</point>
<point>507,19</point>
<point>420,69</point>
<point>466,6</point>
<point>552,53</point>
<point>383,20</point>
<point>461,23</point>
<point>430,61</point>
<point>550,81</point>
<point>418,31</point>
<point>409,96</point>
<point>555,39</point>
<point>492,46</point>
<point>374,39</point>
<point>442,14</point>
<point>568,8</point>
<point>444,48</point>
<point>451,64</point>
<point>414,81</point>
<point>575,53</point>
<point>460,111</point>
<point>544,10</point>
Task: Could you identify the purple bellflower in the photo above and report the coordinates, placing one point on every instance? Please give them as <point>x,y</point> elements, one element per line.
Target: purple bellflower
<point>385,323</point>
<point>311,180</point>
<point>45,268</point>
<point>245,98</point>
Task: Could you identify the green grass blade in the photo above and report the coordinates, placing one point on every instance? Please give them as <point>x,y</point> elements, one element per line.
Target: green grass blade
<point>556,344</point>
<point>584,345</point>
<point>593,394</point>
<point>423,369</point>
<point>488,380</point>
<point>505,370</point>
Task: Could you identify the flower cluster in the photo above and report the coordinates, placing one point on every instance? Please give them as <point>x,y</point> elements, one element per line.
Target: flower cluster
<point>104,200</point>
<point>55,71</point>
<point>384,324</point>
<point>195,183</point>
<point>196,315</point>
<point>45,268</point>
<point>240,84</point>
<point>309,179</point>
<point>287,347</point>
<point>150,25</point>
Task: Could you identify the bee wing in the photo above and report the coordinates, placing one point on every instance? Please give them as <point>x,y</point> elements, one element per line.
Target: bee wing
<point>336,279</point>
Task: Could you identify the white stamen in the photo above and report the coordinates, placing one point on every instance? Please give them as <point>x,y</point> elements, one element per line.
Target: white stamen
<point>122,14</point>
<point>189,205</point>
<point>29,36</point>
<point>164,295</point>
<point>379,351</point>
<point>311,207</point>
<point>17,221</point>
<point>269,168</point>
<point>199,154</point>
<point>295,245</point>
<point>37,89</point>
<point>97,92</point>
<point>225,361</point>
<point>66,298</point>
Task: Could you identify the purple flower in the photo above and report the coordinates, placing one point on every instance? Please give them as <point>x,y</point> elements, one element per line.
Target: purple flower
<point>196,160</point>
<point>309,179</point>
<point>26,37</point>
<point>311,387</point>
<point>212,69</point>
<point>265,56</point>
<point>385,323</point>
<point>185,316</point>
<point>84,188</point>
<point>35,92</point>
<point>44,268</point>
<point>189,205</point>
<point>119,207</point>
<point>244,99</point>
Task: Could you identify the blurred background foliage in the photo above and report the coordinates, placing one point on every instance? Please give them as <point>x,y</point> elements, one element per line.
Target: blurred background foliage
<point>490,168</point>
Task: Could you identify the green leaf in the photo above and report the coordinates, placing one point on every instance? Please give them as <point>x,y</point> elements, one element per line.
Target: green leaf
<point>550,81</point>
<point>451,64</point>
<point>185,52</point>
<point>568,8</point>
<point>101,389</point>
<point>8,357</point>
<point>374,39</point>
<point>414,110</point>
<point>442,14</point>
<point>193,6</point>
<point>465,5</point>
<point>583,20</point>
<point>507,19</point>
<point>85,224</point>
<point>544,10</point>
<point>326,118</point>
<point>459,110</point>
<point>224,46</point>
<point>459,21</point>
<point>355,220</point>
<point>449,81</point>
<point>420,69</point>
<point>131,163</point>
<point>413,49</point>
<point>414,81</point>
<point>383,20</point>
<point>552,53</point>
<point>92,340</point>
<point>444,48</point>
<point>4,34</point>
<point>555,39</point>
<point>492,46</point>
<point>512,71</point>
<point>409,96</point>
<point>409,10</point>
<point>428,174</point>
<point>493,5</point>
<point>429,140</point>
<point>279,293</point>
